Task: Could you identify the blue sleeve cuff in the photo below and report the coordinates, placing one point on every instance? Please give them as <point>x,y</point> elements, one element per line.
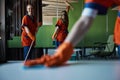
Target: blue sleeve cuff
<point>101,9</point>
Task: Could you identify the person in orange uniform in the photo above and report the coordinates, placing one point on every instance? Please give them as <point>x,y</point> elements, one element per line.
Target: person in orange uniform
<point>61,30</point>
<point>29,29</point>
<point>117,30</point>
<point>63,53</point>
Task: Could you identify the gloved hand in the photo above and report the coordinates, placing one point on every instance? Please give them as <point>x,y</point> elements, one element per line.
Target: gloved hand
<point>62,54</point>
<point>32,37</point>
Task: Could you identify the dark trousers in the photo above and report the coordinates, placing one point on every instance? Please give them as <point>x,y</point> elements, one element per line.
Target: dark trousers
<point>56,43</point>
<point>30,55</point>
<point>119,50</point>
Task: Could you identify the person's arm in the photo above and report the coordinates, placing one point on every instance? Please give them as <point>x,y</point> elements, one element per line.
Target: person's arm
<point>81,26</point>
<point>32,37</point>
<point>67,9</point>
<point>116,8</point>
<point>65,50</point>
<point>68,6</point>
<point>55,33</point>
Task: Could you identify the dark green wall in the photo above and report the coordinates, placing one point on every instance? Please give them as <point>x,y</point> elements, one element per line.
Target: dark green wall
<point>97,32</point>
<point>102,27</point>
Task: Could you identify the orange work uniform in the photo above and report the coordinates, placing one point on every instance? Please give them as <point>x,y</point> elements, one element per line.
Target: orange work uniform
<point>117,30</point>
<point>31,23</point>
<point>63,30</point>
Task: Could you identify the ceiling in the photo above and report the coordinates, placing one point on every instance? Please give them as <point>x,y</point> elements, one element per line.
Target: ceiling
<point>53,8</point>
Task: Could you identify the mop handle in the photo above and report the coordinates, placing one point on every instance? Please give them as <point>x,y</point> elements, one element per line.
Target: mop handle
<point>28,51</point>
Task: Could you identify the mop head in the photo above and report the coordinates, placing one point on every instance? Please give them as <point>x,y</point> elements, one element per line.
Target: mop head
<point>33,67</point>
